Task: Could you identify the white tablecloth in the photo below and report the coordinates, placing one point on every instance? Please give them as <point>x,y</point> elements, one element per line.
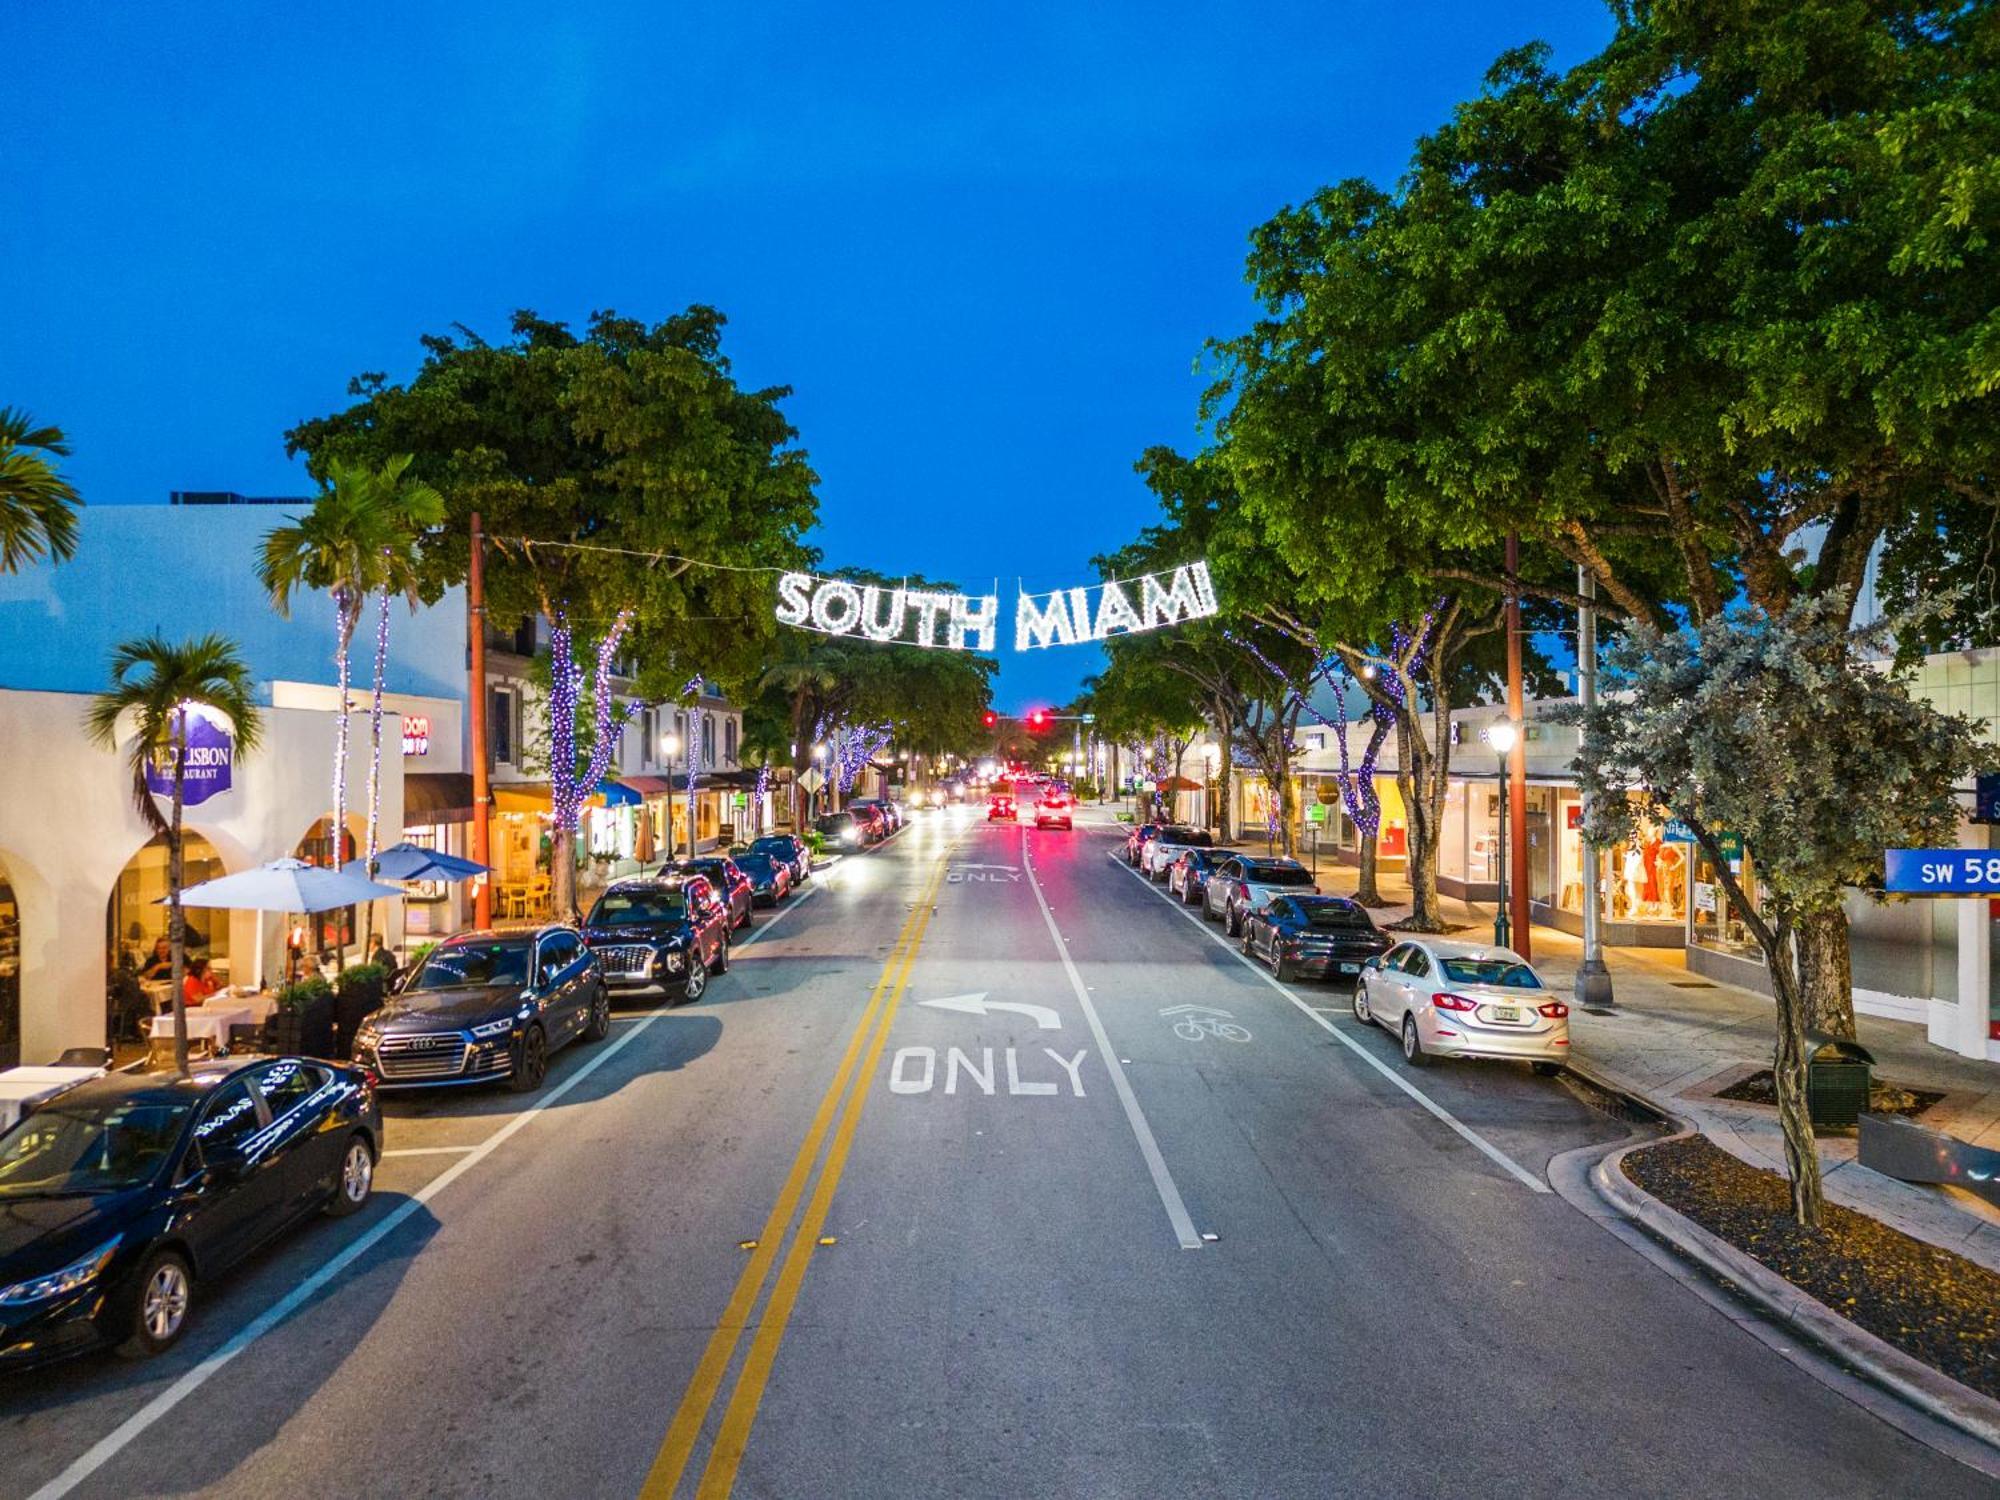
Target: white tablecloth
<point>20,1087</point>
<point>214,1019</point>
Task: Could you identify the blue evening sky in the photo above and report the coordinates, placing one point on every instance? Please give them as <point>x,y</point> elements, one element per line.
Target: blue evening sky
<point>983,245</point>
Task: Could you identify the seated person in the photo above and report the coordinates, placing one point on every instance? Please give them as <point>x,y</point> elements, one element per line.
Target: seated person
<point>198,984</point>
<point>161,964</point>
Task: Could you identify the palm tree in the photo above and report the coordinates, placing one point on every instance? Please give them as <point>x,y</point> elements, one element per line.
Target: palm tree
<point>159,681</point>
<point>37,505</point>
<point>410,508</point>
<point>336,547</point>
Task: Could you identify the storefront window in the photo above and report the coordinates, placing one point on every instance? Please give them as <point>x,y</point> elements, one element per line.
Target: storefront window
<point>327,930</point>
<point>10,975</point>
<point>137,912</point>
<point>1451,843</point>
<point>1541,844</point>
<point>1643,879</point>
<point>1716,924</point>
<point>1482,833</point>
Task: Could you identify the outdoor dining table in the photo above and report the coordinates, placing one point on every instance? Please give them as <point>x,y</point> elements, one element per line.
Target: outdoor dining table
<point>21,1087</point>
<point>211,1021</point>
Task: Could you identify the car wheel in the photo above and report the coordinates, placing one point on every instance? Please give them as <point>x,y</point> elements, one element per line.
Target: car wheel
<point>1362,1013</point>
<point>531,1061</point>
<point>1547,1069</point>
<point>598,1027</point>
<point>721,965</point>
<point>357,1179</point>
<point>165,1292</point>
<point>1231,922</point>
<point>697,980</point>
<point>1280,970</point>
<point>748,916</point>
<point>1413,1049</point>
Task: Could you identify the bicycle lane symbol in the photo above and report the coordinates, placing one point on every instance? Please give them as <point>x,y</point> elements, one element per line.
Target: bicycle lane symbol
<point>1196,1023</point>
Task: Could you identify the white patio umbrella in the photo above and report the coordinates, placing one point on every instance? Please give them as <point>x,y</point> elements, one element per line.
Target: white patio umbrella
<point>284,885</point>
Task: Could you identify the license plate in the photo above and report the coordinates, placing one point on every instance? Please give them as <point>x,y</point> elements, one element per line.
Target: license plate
<point>1350,968</point>
<point>1506,1012</point>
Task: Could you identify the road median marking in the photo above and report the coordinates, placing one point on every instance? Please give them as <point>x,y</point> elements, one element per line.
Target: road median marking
<point>684,1432</point>
<point>1142,1132</point>
<point>1313,1013</point>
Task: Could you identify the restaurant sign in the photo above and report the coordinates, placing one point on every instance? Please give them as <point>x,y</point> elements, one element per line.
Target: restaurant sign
<point>206,750</point>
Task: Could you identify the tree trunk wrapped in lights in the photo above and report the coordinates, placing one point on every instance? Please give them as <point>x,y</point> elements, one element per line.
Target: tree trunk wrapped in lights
<point>573,777</point>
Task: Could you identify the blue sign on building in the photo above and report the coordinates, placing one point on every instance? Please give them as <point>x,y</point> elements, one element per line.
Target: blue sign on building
<point>206,757</point>
<point>1943,872</point>
<point>1986,798</point>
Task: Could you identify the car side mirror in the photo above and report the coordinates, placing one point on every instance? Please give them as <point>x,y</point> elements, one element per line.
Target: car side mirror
<point>1373,965</point>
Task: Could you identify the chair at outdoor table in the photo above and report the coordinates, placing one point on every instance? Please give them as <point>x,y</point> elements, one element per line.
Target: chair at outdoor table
<point>538,895</point>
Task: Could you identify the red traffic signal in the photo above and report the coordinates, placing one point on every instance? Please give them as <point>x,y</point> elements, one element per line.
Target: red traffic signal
<point>1038,719</point>
<point>989,718</point>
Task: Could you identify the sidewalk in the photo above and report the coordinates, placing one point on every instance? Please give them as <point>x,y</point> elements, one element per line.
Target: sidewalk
<point>1676,1039</point>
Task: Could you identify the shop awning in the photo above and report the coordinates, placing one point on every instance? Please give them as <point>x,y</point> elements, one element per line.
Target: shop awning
<point>651,786</point>
<point>437,797</point>
<point>523,797</point>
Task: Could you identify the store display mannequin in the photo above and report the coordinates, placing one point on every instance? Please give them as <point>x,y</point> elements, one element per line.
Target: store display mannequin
<point>1632,875</point>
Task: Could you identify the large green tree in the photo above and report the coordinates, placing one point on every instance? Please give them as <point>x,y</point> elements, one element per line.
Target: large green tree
<point>37,504</point>
<point>633,493</point>
<point>1723,725</point>
<point>154,683</point>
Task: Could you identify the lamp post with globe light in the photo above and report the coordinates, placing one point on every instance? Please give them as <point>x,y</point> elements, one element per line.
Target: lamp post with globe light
<point>1501,735</point>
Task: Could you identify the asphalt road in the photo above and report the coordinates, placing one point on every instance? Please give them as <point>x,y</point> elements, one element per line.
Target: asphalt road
<point>820,1235</point>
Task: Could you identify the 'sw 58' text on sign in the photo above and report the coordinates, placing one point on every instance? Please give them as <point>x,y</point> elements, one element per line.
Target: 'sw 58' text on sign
<point>1942,872</point>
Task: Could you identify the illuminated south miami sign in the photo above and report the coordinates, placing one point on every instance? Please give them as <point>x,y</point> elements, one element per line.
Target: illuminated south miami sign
<point>971,622</point>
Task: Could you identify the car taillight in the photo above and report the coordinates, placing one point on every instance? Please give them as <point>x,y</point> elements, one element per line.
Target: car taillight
<point>1453,1002</point>
<point>1555,1010</point>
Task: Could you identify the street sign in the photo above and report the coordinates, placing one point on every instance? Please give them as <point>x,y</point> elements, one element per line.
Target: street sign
<point>1942,872</point>
<point>1986,798</point>
<point>811,780</point>
<point>1316,813</point>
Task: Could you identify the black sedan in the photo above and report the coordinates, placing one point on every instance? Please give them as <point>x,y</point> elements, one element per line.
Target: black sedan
<point>123,1195</point>
<point>789,849</point>
<point>770,878</point>
<point>659,937</point>
<point>724,877</point>
<point>488,1007</point>
<point>1312,936</point>
<point>1187,876</point>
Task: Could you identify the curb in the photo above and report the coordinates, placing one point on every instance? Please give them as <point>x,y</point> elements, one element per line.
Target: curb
<point>1935,1394</point>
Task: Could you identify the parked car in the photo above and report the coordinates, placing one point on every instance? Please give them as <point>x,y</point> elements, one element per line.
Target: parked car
<point>1455,999</point>
<point>125,1197</point>
<point>884,812</point>
<point>1165,847</point>
<point>791,850</point>
<point>1243,882</point>
<point>1136,841</point>
<point>1314,937</point>
<point>661,937</point>
<point>770,878</point>
<point>727,879</point>
<point>488,1007</point>
<point>1000,808</point>
<point>843,830</point>
<point>1053,810</point>
<point>873,820</point>
<point>1187,876</point>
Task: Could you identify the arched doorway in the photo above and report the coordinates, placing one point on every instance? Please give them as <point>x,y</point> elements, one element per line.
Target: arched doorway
<point>324,931</point>
<point>136,921</point>
<point>10,974</point>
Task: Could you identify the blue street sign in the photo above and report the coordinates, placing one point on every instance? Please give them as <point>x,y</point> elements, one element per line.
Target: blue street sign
<point>1986,798</point>
<point>1943,872</point>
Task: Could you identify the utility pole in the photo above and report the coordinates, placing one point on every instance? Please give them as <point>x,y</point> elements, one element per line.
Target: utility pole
<point>482,831</point>
<point>1593,980</point>
<point>1517,766</point>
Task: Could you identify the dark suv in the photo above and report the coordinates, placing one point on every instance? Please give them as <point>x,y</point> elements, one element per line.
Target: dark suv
<point>725,877</point>
<point>487,1007</point>
<point>659,937</point>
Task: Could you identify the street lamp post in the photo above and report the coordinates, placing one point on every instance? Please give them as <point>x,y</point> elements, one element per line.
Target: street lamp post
<point>670,744</point>
<point>1501,734</point>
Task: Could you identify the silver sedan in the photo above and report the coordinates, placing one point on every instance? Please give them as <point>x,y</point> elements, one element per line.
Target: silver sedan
<point>1452,999</point>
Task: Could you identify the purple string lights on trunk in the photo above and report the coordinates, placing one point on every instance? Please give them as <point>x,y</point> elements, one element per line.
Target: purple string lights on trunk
<point>568,789</point>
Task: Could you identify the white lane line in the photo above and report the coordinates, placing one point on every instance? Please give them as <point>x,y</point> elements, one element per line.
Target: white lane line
<point>1149,1148</point>
<point>1312,1013</point>
<point>429,1150</point>
<point>120,1437</point>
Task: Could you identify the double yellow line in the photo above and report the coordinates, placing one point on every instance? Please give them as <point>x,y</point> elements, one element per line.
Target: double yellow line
<point>863,1052</point>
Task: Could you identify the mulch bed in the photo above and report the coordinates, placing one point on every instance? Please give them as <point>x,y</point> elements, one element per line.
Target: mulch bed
<point>1884,1098</point>
<point>1933,1305</point>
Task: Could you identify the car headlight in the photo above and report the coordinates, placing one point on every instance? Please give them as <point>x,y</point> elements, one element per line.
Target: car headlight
<point>494,1028</point>
<point>676,961</point>
<point>58,1283</point>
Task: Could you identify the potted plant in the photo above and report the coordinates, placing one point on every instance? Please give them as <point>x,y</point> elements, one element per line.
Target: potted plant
<point>304,1020</point>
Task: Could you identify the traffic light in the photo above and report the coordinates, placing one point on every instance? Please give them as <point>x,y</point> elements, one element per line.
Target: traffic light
<point>1038,719</point>
<point>989,718</point>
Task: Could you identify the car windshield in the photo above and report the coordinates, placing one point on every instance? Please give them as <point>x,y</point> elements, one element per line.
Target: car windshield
<point>834,823</point>
<point>1278,875</point>
<point>777,848</point>
<point>1506,973</point>
<point>473,963</point>
<point>756,864</point>
<point>1336,916</point>
<point>616,908</point>
<point>1192,837</point>
<point>90,1147</point>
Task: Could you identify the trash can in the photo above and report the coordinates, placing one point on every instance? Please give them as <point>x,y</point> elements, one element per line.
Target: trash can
<point>1837,1074</point>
